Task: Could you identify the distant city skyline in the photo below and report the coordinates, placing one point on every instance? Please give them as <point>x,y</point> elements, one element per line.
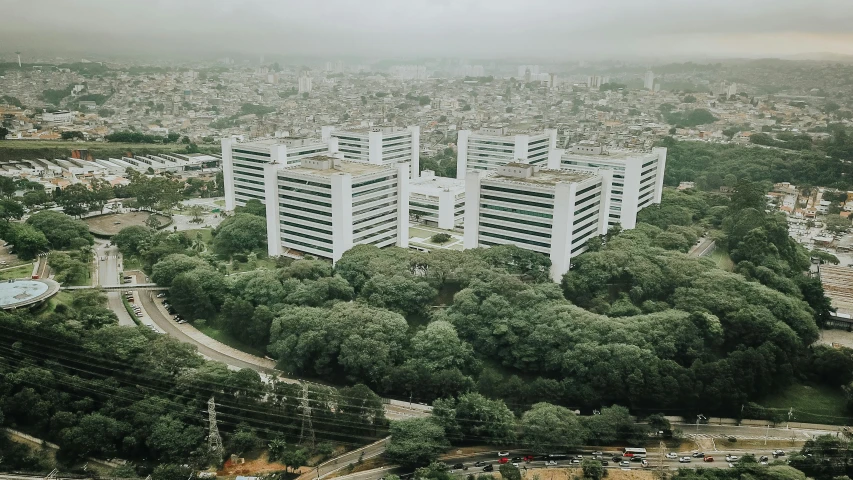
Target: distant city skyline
<point>481,28</point>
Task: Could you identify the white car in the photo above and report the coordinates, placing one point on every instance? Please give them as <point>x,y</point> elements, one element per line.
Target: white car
<point>503,454</point>
<point>625,463</point>
<point>550,463</point>
<point>685,460</point>
<point>731,458</point>
<point>671,455</point>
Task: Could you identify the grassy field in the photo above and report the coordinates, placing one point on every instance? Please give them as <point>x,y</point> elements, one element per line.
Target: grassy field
<point>227,339</point>
<point>812,404</point>
<point>21,271</point>
<point>723,259</point>
<point>112,224</point>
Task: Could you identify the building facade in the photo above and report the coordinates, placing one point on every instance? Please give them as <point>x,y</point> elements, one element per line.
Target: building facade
<point>437,201</point>
<point>637,178</point>
<point>324,206</point>
<point>243,164</point>
<point>553,212</point>
<point>378,145</point>
<point>492,147</point>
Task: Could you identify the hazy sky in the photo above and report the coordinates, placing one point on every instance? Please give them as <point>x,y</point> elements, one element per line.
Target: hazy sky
<point>451,28</point>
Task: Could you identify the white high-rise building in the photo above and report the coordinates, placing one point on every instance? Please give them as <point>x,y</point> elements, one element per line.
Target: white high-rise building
<point>378,145</point>
<point>243,164</point>
<point>305,83</point>
<point>325,206</point>
<point>491,147</point>
<point>649,80</point>
<point>637,177</point>
<point>731,90</point>
<point>596,81</point>
<point>553,212</point>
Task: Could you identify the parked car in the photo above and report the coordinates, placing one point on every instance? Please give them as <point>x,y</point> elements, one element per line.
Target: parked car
<point>181,322</point>
<point>459,466</point>
<point>161,295</point>
<point>778,453</point>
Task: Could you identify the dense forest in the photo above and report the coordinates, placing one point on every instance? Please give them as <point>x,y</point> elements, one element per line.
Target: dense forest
<point>826,163</point>
<point>72,376</point>
<point>636,322</point>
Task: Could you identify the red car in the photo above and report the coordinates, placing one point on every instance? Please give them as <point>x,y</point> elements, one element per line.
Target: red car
<point>503,460</point>
<point>528,458</point>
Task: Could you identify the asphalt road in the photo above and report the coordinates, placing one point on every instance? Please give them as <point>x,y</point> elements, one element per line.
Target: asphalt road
<point>108,271</point>
<point>170,327</point>
<point>749,432</point>
<point>468,462</point>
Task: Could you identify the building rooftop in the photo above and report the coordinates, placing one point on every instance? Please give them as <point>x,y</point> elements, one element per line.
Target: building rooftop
<point>541,177</point>
<point>430,185</point>
<point>327,166</point>
<point>611,154</point>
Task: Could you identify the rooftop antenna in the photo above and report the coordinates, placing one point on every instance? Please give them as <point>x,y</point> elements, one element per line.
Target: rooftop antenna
<point>19,58</point>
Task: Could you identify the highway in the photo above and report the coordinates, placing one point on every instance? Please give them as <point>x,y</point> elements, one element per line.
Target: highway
<point>469,461</point>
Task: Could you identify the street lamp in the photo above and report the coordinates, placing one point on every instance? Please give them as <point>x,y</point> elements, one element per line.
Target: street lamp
<point>698,418</point>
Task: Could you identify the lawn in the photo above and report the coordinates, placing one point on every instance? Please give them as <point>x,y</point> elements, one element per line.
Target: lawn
<point>206,236</point>
<point>723,259</point>
<point>261,263</point>
<point>227,339</point>
<point>21,271</point>
<point>811,404</point>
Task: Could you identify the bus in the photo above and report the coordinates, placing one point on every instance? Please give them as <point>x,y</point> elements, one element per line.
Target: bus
<point>635,452</point>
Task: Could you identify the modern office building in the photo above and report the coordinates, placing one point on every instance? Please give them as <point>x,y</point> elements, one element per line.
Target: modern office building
<point>378,145</point>
<point>243,164</point>
<point>553,212</point>
<point>324,206</point>
<point>492,147</point>
<point>637,177</point>
<point>437,201</point>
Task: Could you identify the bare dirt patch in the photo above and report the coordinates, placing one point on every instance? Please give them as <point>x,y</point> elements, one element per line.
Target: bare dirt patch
<point>111,224</point>
<point>571,473</point>
<point>250,467</point>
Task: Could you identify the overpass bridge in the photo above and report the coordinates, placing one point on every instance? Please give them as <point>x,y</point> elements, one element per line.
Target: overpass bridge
<point>118,288</point>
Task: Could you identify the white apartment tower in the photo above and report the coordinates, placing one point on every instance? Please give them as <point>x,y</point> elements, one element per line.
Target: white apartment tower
<point>637,177</point>
<point>491,147</point>
<point>378,145</point>
<point>649,80</point>
<point>305,83</point>
<point>243,164</point>
<point>553,212</point>
<point>325,206</point>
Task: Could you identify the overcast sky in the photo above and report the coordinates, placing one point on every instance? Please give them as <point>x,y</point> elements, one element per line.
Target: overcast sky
<point>560,29</point>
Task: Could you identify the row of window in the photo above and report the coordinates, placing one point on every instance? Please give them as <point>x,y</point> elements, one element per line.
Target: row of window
<point>514,239</point>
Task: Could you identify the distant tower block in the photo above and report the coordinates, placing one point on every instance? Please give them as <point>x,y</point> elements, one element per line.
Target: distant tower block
<point>19,58</point>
